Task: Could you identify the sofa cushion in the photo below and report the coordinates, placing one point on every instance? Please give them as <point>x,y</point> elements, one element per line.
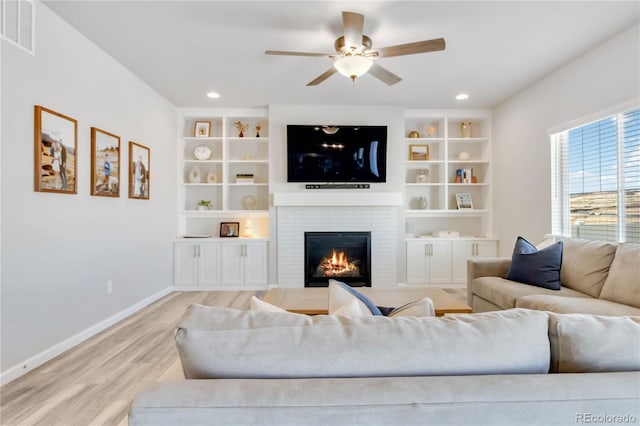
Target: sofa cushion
<point>585,264</point>
<point>594,343</point>
<point>340,294</point>
<point>226,343</point>
<point>623,282</point>
<point>574,305</point>
<point>536,267</point>
<point>256,304</point>
<point>504,293</point>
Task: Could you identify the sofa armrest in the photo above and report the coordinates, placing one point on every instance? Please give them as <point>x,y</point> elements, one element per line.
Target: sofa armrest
<point>485,267</point>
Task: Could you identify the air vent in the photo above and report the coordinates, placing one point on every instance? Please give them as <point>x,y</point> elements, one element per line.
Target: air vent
<point>17,22</point>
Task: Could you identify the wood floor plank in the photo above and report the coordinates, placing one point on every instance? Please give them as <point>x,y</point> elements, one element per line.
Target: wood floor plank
<point>94,382</point>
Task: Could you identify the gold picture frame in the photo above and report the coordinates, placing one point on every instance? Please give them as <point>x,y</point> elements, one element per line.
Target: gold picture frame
<point>419,152</point>
<point>139,164</point>
<point>55,152</point>
<point>105,163</point>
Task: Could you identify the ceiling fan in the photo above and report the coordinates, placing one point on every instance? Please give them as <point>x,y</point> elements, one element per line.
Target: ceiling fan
<point>354,55</point>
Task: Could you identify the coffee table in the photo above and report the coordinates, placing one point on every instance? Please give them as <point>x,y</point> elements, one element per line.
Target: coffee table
<point>315,301</point>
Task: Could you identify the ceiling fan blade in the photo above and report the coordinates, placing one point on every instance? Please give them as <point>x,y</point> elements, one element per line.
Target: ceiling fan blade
<point>322,77</point>
<point>384,75</point>
<point>412,48</point>
<point>286,53</point>
<point>352,25</point>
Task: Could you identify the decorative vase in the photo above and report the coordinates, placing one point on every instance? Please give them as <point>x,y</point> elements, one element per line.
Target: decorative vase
<point>194,175</point>
<point>414,134</point>
<point>465,129</point>
<point>212,177</point>
<point>249,202</point>
<point>422,203</point>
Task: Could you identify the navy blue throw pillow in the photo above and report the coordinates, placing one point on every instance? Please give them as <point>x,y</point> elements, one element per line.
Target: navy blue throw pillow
<point>536,267</point>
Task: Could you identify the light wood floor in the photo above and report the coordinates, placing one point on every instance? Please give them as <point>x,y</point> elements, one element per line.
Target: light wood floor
<point>94,383</point>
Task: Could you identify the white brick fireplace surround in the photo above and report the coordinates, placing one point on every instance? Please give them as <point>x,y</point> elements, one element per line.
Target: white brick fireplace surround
<point>298,213</point>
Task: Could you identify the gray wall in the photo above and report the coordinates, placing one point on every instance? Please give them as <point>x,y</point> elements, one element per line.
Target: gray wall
<point>604,77</point>
<point>59,250</point>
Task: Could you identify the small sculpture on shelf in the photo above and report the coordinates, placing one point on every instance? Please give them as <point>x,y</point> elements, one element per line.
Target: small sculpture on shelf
<point>241,127</point>
<point>465,129</point>
<point>258,127</point>
<point>422,176</point>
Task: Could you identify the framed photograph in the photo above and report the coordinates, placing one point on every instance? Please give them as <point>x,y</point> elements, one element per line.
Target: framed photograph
<point>418,152</point>
<point>55,149</point>
<point>464,201</point>
<point>202,129</point>
<point>139,163</point>
<point>105,163</point>
<point>229,229</point>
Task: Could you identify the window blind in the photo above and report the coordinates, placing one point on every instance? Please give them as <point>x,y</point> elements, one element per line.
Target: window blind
<point>596,179</point>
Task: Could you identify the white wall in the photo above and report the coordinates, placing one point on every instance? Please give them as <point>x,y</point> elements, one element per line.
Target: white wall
<point>604,77</point>
<point>59,250</point>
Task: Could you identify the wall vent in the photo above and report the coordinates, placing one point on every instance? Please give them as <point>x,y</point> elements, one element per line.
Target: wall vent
<point>17,23</point>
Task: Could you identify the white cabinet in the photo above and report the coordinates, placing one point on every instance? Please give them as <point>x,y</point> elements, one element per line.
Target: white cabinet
<point>244,264</point>
<point>197,264</point>
<point>221,264</point>
<point>463,250</point>
<point>428,262</point>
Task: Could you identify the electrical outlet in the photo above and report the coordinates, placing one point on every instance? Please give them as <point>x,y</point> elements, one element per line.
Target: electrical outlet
<point>109,286</point>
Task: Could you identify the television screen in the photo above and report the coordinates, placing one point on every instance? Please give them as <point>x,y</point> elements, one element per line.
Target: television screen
<point>336,153</point>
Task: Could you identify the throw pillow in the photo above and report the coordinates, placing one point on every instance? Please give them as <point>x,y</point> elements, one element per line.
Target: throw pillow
<point>260,305</point>
<point>351,310</point>
<point>417,308</point>
<point>536,267</point>
<point>340,294</point>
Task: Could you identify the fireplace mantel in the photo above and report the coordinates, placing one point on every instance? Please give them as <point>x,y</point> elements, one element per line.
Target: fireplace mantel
<point>342,199</point>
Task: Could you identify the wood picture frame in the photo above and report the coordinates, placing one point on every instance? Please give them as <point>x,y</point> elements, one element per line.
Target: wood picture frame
<point>139,165</point>
<point>419,152</point>
<point>464,201</point>
<point>202,129</point>
<point>105,163</point>
<point>55,152</point>
<point>229,229</point>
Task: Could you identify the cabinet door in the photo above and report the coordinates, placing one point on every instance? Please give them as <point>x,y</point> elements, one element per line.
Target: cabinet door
<point>417,263</point>
<point>185,262</point>
<point>255,264</point>
<point>461,251</point>
<point>231,264</point>
<point>487,249</point>
<point>440,262</point>
<point>209,264</point>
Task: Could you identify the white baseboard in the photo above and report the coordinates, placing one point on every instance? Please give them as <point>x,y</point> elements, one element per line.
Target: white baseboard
<point>48,354</point>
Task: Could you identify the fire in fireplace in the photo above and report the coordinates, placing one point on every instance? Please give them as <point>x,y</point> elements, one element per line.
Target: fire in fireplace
<point>339,255</point>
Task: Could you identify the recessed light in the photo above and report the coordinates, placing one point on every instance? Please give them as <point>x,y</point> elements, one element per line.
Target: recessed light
<point>213,95</point>
<point>462,96</point>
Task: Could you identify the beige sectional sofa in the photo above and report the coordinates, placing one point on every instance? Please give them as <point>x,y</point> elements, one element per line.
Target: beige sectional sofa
<point>265,368</point>
<point>597,277</point>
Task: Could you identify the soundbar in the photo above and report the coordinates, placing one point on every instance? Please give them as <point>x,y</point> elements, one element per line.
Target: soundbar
<point>338,186</point>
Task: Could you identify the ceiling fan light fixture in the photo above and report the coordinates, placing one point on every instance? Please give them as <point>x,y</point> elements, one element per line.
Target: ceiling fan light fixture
<point>353,66</point>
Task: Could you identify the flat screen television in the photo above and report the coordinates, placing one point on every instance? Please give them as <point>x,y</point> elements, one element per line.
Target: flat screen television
<point>336,153</point>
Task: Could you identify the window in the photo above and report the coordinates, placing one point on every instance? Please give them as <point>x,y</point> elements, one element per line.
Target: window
<point>596,179</point>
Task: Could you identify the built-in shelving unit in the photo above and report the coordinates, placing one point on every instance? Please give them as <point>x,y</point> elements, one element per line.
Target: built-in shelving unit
<point>456,141</point>
<point>217,179</point>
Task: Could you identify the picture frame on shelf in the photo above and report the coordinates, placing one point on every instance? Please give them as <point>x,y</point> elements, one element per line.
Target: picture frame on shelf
<point>419,152</point>
<point>139,165</point>
<point>464,201</point>
<point>202,129</point>
<point>105,163</point>
<point>229,229</point>
<point>56,149</point>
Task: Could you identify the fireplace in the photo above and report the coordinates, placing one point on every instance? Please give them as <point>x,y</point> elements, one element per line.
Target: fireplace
<point>344,256</point>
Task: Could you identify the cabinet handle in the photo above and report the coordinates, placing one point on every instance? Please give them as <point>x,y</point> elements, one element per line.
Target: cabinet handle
<point>195,251</point>
<point>243,250</point>
<point>198,250</point>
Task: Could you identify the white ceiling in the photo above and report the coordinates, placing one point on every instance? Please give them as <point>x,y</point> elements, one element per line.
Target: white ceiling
<point>184,49</point>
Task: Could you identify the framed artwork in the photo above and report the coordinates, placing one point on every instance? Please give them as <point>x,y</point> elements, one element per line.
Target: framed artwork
<point>229,229</point>
<point>55,152</point>
<point>139,163</point>
<point>202,129</point>
<point>418,152</point>
<point>464,201</point>
<point>105,163</point>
